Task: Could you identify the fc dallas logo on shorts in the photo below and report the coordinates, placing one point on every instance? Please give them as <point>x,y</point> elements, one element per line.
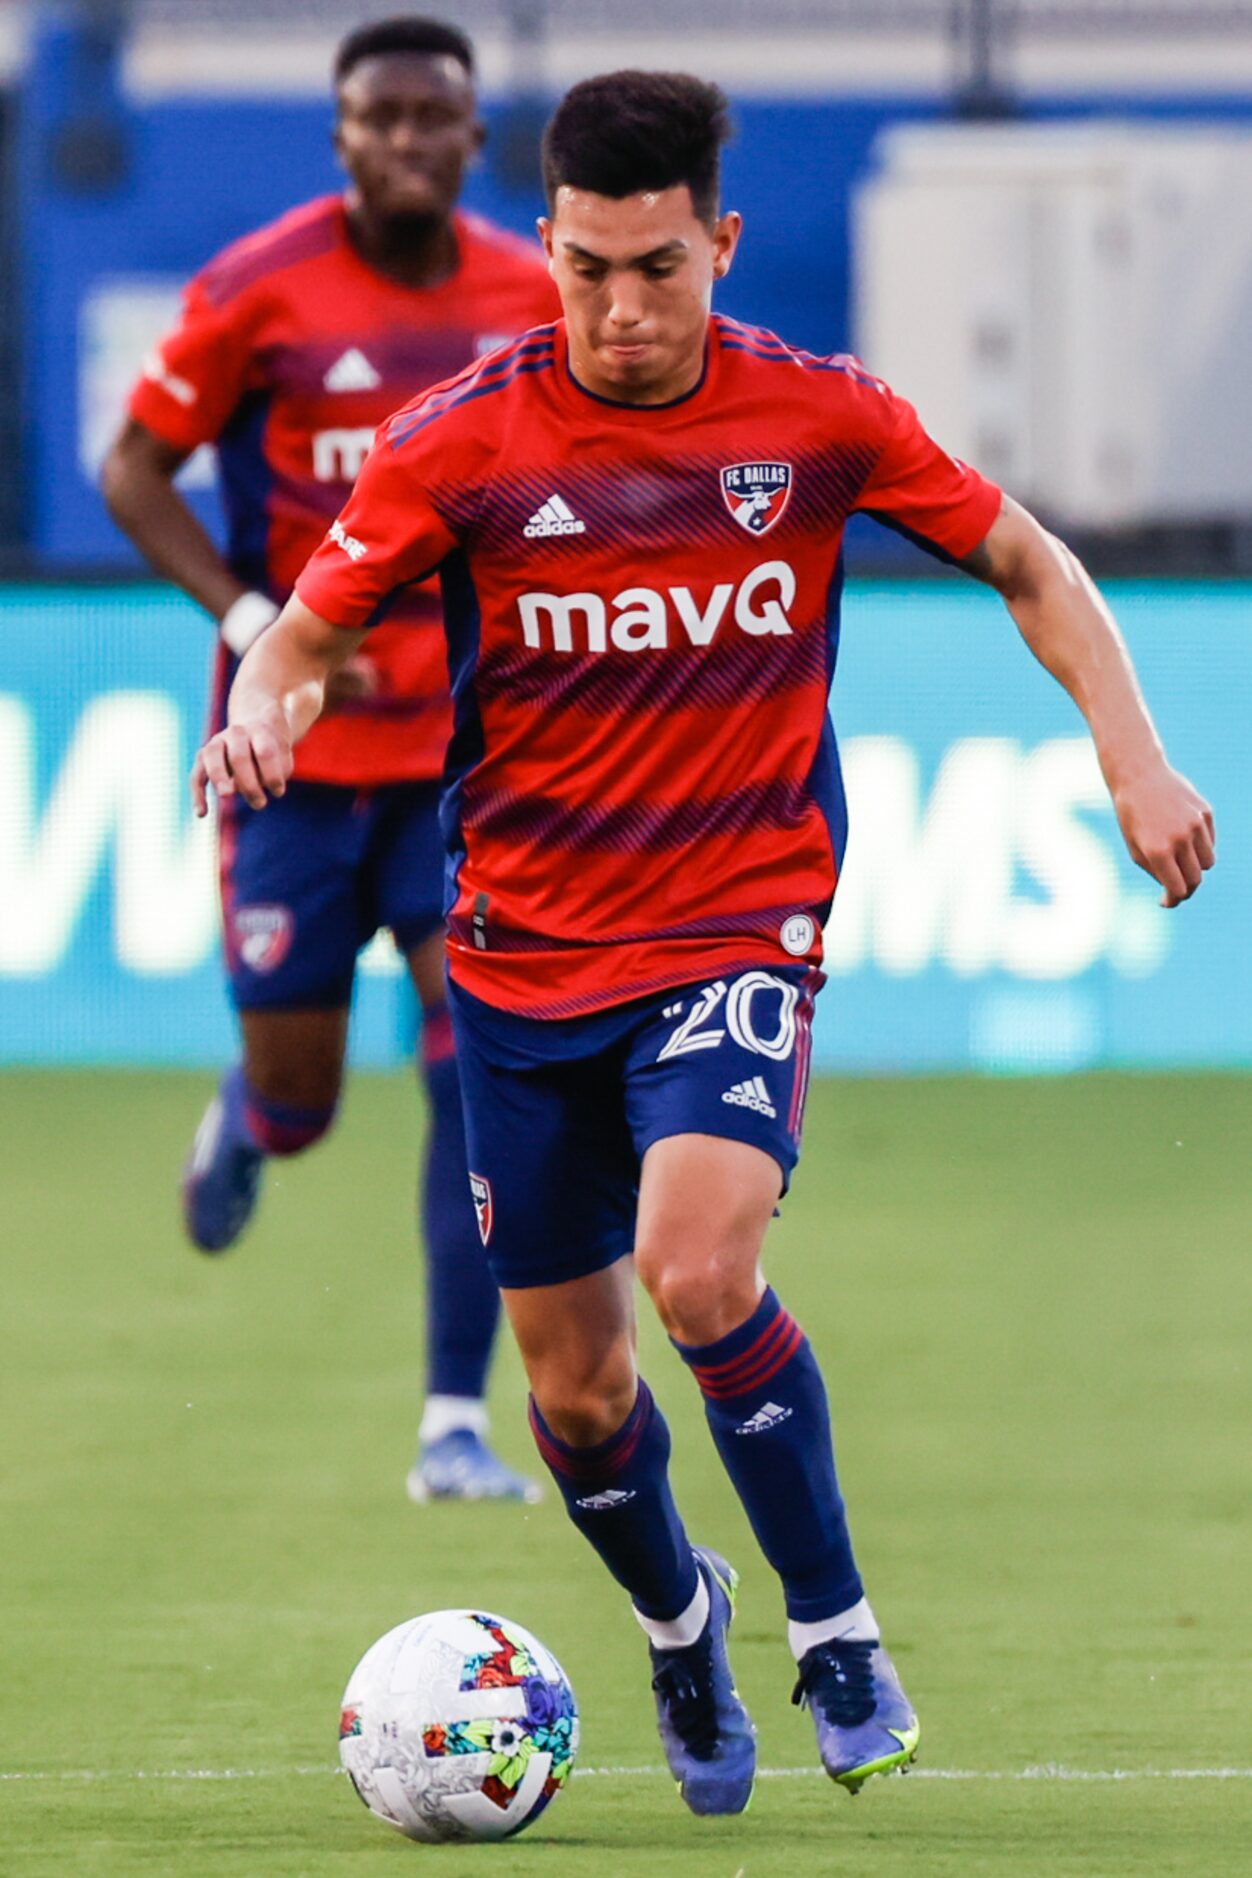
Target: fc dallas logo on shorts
<point>756,494</point>
<point>481,1190</point>
<point>263,936</point>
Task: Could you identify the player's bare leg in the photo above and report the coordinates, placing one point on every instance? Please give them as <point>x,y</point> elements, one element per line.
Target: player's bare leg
<point>296,1057</point>
<point>607,1445</point>
<point>278,1101</point>
<point>578,1344</point>
<point>704,1207</point>
<point>462,1301</point>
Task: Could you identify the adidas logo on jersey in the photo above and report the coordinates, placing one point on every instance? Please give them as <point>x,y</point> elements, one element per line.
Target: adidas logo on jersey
<point>352,371</point>
<point>767,1417</point>
<point>555,517</point>
<point>752,1095</point>
<point>605,1502</point>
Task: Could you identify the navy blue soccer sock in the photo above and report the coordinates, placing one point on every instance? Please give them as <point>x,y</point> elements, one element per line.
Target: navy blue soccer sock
<point>766,1407</point>
<point>462,1301</point>
<point>618,1495</point>
<point>277,1128</point>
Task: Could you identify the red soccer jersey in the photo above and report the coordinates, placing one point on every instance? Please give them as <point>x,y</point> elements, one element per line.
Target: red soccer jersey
<point>642,612</point>
<point>290,352</point>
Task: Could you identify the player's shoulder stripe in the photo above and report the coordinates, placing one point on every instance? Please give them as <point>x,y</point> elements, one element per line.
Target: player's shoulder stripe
<point>301,234</point>
<point>758,343</point>
<point>535,351</point>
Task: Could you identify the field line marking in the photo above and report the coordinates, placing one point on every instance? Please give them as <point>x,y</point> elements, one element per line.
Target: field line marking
<point>1045,1772</point>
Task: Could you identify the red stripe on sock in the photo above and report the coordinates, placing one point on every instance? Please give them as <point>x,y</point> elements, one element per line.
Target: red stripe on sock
<point>717,1376</point>
<point>716,1371</point>
<point>764,1370</point>
<point>437,1036</point>
<point>769,1367</point>
<point>275,1136</point>
<point>592,1465</point>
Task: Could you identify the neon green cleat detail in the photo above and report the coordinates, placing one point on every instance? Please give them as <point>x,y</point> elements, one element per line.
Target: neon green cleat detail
<point>865,1722</point>
<point>855,1777</point>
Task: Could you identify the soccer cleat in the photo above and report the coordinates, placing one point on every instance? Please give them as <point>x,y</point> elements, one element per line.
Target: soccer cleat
<point>460,1466</point>
<point>865,1722</point>
<point>223,1175</point>
<point>707,1733</point>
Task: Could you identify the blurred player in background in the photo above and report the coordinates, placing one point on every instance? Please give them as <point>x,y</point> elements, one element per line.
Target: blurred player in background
<point>638,515</point>
<point>294,344</point>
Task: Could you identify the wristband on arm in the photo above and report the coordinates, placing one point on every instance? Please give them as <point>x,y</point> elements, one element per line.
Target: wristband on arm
<point>243,622</point>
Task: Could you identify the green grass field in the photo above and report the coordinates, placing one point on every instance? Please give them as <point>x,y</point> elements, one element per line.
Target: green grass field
<point>1032,1303</point>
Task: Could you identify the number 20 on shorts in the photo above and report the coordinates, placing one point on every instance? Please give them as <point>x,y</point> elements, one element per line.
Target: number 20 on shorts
<point>736,1003</point>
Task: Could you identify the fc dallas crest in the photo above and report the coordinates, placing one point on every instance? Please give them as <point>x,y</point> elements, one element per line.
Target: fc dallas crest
<point>756,494</point>
<point>481,1191</point>
<point>263,936</point>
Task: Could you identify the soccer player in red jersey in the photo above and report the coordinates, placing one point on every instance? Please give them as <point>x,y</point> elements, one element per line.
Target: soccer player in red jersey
<point>637,515</point>
<point>294,345</point>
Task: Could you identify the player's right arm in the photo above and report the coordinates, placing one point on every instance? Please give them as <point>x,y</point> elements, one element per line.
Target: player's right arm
<point>278,693</point>
<point>190,386</point>
<point>137,482</point>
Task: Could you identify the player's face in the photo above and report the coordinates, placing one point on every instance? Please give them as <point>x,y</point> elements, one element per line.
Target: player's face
<point>635,277</point>
<point>407,128</point>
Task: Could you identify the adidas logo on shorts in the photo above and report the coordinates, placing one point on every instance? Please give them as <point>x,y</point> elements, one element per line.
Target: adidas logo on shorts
<point>605,1502</point>
<point>555,517</point>
<point>767,1417</point>
<point>752,1095</point>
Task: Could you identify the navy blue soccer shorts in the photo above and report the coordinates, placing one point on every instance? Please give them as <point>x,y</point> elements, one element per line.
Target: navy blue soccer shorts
<point>560,1113</point>
<point>309,879</point>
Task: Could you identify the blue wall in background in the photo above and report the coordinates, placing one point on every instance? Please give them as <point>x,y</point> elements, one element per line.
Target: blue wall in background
<point>198,173</point>
<point>988,917</point>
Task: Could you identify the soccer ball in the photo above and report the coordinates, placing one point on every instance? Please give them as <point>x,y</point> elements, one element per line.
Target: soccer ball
<point>458,1725</point>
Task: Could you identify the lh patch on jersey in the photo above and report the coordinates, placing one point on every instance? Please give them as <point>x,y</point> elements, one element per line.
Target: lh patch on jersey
<point>263,936</point>
<point>756,494</point>
<point>480,1189</point>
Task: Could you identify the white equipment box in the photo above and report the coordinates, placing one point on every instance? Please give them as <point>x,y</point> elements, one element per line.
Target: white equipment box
<point>1070,308</point>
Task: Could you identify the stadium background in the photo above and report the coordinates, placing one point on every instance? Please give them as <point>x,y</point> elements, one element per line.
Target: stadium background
<point>989,917</point>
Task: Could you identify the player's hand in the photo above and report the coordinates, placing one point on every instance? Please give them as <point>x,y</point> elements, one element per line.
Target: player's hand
<point>1168,828</point>
<point>356,680</point>
<point>252,760</point>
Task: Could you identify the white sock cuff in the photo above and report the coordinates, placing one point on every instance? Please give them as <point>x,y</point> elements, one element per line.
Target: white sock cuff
<point>676,1633</point>
<point>444,1413</point>
<point>855,1625</point>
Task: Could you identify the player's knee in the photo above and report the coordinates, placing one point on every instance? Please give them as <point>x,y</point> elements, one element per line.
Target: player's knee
<point>584,1409</point>
<point>699,1298</point>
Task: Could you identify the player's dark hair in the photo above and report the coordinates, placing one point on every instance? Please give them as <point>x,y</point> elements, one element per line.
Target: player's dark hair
<point>628,131</point>
<point>408,32</point>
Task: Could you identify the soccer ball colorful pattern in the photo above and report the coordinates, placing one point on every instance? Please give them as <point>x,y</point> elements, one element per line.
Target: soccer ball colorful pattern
<point>458,1725</point>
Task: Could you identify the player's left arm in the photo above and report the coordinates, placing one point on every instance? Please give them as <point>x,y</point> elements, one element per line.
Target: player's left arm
<point>1167,825</point>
